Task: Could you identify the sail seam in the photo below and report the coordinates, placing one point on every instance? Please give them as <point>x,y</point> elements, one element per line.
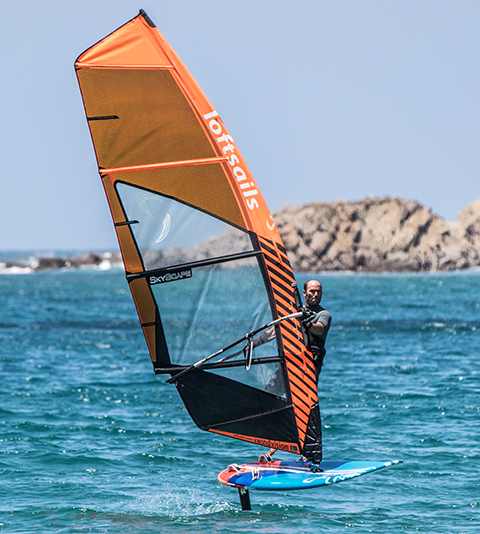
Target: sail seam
<point>79,65</point>
<point>256,416</point>
<point>165,165</point>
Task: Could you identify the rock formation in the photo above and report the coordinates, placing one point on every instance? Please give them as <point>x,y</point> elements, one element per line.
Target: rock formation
<point>378,234</point>
<point>468,223</point>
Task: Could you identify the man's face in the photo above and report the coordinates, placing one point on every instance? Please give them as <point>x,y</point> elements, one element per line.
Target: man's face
<point>313,293</point>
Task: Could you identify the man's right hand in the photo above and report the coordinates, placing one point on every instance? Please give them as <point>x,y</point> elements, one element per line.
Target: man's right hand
<point>307,317</point>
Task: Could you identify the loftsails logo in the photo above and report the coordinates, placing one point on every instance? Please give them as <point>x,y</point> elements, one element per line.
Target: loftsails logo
<point>225,141</point>
<point>170,277</point>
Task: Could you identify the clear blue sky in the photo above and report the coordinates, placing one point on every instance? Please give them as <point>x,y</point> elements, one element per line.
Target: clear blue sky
<point>325,99</point>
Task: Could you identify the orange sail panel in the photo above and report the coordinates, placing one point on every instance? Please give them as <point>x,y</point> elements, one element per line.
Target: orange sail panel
<point>203,258</point>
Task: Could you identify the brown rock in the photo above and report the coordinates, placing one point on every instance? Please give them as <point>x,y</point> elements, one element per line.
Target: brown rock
<point>378,234</point>
<point>469,222</point>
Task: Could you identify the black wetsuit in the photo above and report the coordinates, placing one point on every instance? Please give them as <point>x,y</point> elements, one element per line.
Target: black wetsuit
<point>316,344</point>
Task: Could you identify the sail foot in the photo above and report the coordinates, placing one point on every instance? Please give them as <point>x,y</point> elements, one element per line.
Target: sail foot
<point>222,405</point>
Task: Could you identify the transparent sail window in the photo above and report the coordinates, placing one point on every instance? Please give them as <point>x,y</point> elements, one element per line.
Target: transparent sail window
<point>217,305</point>
<point>213,308</point>
<point>170,233</point>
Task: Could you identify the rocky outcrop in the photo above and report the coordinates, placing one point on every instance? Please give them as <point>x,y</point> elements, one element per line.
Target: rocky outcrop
<point>468,224</point>
<point>378,234</point>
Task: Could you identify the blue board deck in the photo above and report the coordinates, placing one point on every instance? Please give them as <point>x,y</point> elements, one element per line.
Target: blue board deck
<point>292,475</point>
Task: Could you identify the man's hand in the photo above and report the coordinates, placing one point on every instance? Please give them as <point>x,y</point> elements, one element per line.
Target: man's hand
<point>307,317</point>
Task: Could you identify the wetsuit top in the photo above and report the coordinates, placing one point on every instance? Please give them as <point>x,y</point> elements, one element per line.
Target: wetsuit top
<point>317,343</point>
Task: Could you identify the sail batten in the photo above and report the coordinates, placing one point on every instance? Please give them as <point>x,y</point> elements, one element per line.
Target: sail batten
<point>204,261</point>
<point>165,165</point>
<point>200,263</point>
<point>243,419</point>
<point>100,66</point>
<point>219,365</point>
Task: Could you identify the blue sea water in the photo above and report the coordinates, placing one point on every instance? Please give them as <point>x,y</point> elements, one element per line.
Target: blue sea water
<point>92,441</point>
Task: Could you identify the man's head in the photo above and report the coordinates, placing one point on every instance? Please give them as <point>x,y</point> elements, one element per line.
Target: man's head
<point>312,292</point>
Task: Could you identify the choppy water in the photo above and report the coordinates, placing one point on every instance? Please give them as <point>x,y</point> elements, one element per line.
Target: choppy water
<point>91,440</point>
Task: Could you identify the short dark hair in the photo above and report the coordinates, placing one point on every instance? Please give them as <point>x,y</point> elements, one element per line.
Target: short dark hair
<point>311,280</point>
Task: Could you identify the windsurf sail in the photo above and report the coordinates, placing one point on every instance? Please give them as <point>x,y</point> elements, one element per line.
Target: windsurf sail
<point>204,261</point>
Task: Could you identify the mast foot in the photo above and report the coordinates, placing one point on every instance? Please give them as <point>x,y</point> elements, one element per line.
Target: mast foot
<point>244,499</point>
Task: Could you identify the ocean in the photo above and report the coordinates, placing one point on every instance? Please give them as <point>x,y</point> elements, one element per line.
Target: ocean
<point>93,441</point>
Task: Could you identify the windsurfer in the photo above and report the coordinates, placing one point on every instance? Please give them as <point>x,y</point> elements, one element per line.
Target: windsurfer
<point>317,324</point>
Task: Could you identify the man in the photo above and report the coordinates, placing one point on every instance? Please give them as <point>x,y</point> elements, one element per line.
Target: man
<point>317,325</point>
